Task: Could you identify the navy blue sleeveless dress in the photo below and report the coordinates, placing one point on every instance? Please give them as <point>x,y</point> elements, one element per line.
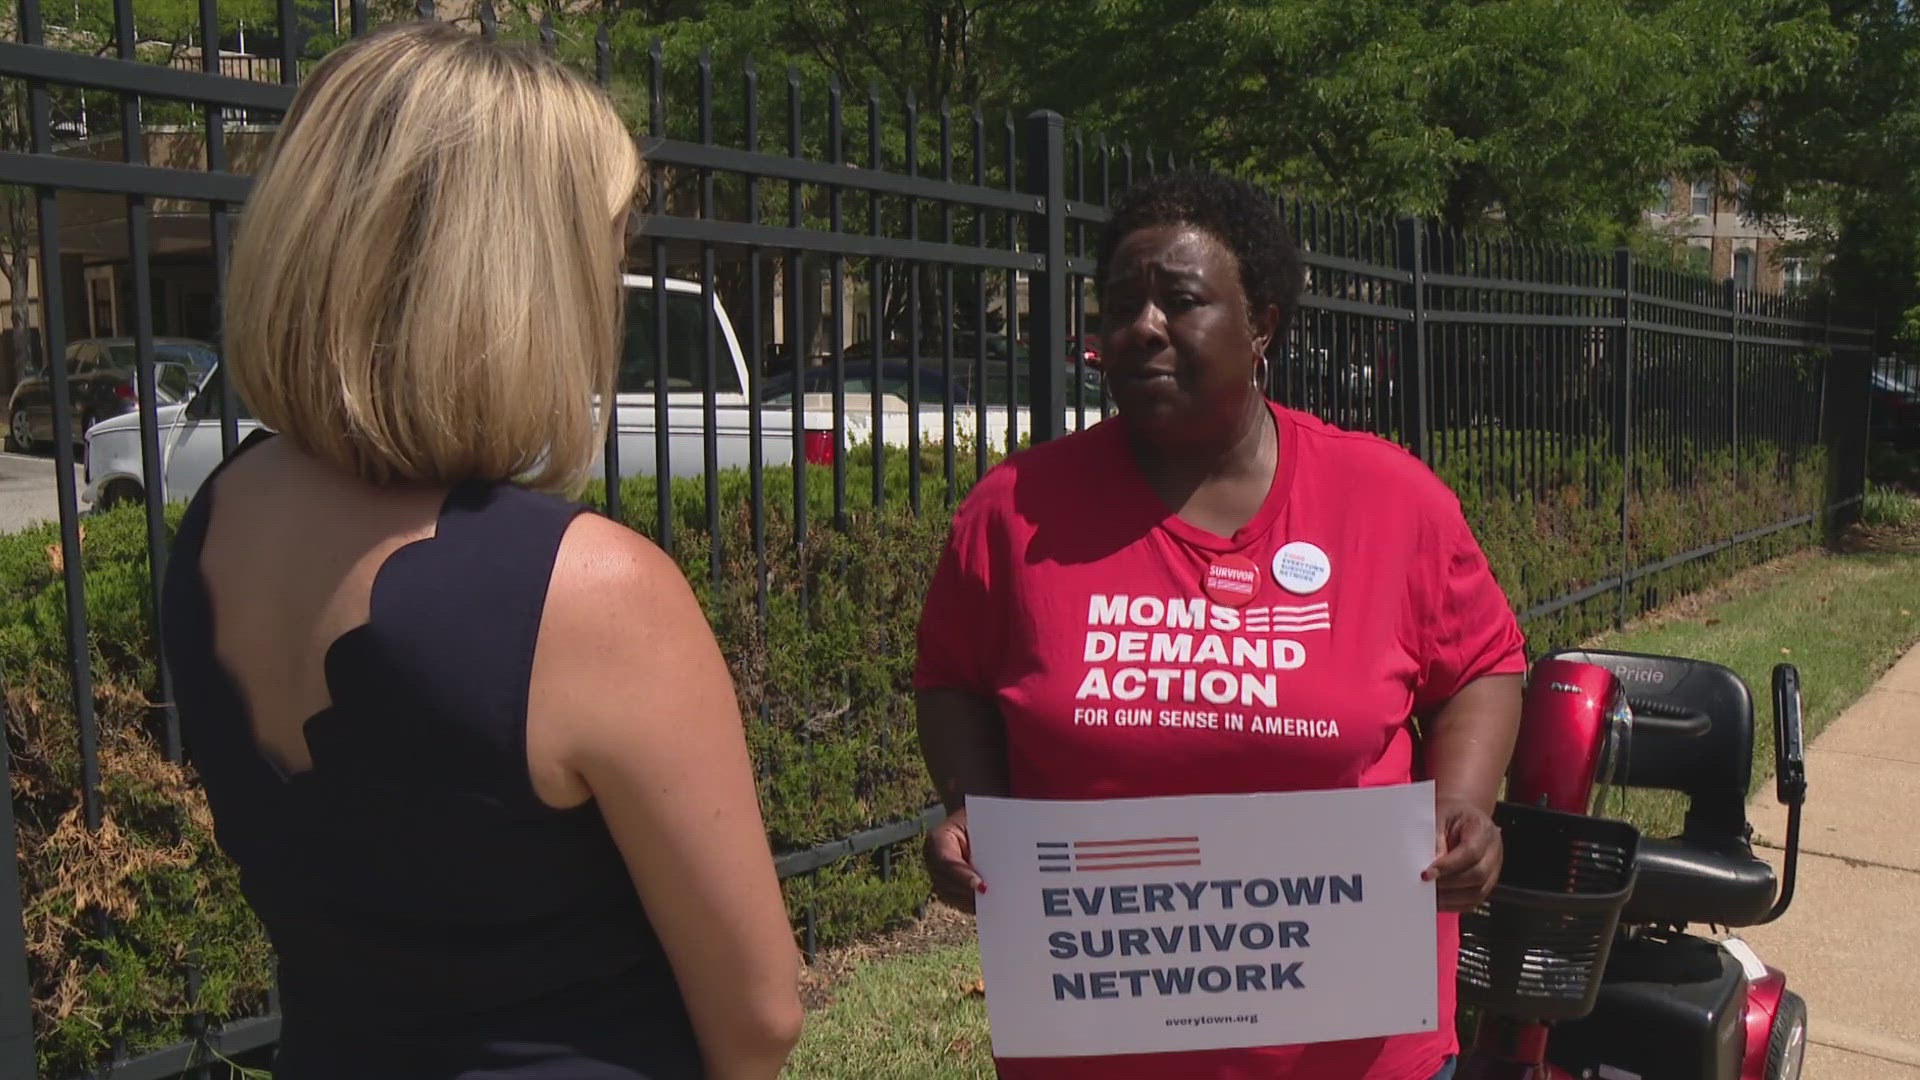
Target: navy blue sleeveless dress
<point>432,917</point>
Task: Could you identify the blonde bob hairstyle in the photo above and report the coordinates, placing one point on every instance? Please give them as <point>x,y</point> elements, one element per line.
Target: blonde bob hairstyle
<point>426,283</point>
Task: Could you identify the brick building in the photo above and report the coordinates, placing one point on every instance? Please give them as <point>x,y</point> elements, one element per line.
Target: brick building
<point>1723,241</point>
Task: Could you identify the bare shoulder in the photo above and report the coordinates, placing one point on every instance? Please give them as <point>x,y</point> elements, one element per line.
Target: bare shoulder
<point>620,620</point>
<point>602,564</point>
<point>627,675</point>
<point>600,551</point>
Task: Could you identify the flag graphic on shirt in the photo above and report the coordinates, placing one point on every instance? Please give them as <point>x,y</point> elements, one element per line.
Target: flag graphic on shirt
<point>1281,619</point>
<point>1062,856</point>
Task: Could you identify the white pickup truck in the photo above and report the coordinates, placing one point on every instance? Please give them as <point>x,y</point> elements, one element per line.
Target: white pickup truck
<point>190,444</point>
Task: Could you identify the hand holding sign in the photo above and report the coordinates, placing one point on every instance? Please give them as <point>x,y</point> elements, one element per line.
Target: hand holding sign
<point>1147,925</point>
<point>1467,854</point>
<point>949,853</point>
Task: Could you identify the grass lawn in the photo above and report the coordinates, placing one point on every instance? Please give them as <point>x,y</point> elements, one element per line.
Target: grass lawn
<point>1842,620</point>
<point>915,1014</point>
<point>913,1010</point>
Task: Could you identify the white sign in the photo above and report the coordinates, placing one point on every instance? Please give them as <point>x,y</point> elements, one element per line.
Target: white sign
<point>1147,925</point>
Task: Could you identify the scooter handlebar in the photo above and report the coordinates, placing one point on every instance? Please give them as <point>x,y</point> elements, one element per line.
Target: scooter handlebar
<point>1789,777</point>
<point>1789,752</point>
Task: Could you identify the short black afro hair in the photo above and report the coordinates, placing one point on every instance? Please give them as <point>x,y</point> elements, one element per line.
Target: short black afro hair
<point>1239,215</point>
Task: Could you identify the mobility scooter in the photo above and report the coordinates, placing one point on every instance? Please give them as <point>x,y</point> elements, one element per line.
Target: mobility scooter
<point>1579,966</point>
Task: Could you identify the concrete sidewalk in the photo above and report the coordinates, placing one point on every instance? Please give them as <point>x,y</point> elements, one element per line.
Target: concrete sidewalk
<point>1851,942</point>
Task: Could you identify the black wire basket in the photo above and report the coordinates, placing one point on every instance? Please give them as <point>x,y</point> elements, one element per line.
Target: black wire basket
<point>1536,949</point>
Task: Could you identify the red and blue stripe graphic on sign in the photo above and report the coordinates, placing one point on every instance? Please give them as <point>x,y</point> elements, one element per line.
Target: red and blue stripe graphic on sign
<point>1063,856</point>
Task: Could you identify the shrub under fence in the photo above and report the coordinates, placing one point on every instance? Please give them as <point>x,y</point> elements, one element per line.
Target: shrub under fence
<point>821,655</point>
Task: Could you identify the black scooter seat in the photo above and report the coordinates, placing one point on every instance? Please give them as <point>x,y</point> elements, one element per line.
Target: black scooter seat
<point>1684,881</point>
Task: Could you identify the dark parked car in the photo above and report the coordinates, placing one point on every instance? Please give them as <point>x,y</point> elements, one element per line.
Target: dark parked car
<point>1894,405</point>
<point>101,383</point>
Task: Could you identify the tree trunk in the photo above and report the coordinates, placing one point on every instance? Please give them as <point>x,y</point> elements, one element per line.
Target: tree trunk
<point>18,345</point>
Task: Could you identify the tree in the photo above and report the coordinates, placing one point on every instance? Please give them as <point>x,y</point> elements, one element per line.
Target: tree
<point>1553,118</point>
<point>1827,126</point>
<point>880,54</point>
<point>1548,119</point>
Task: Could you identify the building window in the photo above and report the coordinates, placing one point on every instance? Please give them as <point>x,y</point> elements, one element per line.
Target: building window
<point>1743,270</point>
<point>1796,275</point>
<point>1666,197</point>
<point>1703,198</point>
<point>101,298</point>
<point>1700,259</point>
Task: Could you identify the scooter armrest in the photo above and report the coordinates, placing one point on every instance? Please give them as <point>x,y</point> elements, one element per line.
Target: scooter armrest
<point>1679,721</point>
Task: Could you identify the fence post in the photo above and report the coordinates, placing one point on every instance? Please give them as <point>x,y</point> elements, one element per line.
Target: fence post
<point>1046,179</point>
<point>1846,397</point>
<point>1416,417</point>
<point>1732,297</point>
<point>1823,414</point>
<point>1623,417</point>
<point>16,990</point>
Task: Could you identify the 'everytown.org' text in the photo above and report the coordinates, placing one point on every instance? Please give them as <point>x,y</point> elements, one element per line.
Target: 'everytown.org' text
<point>1204,1021</point>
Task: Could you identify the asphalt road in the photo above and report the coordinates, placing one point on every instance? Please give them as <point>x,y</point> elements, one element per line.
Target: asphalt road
<point>27,491</point>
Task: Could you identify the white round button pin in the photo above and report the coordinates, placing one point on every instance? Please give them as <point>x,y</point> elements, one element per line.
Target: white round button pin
<point>1301,568</point>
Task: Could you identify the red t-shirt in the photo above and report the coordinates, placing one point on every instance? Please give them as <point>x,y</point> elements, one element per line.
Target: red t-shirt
<point>1071,596</point>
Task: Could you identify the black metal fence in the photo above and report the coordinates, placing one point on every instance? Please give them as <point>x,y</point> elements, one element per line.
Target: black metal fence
<point>895,293</point>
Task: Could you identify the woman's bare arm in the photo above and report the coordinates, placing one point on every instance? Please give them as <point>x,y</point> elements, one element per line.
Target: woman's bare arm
<point>1469,743</point>
<point>964,742</point>
<point>636,701</point>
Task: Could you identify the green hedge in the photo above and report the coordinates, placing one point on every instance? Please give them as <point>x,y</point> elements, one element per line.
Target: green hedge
<point>1896,467</point>
<point>1548,515</point>
<point>110,915</point>
<point>115,917</point>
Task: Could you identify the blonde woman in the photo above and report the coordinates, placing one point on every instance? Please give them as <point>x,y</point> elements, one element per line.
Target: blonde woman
<point>474,751</point>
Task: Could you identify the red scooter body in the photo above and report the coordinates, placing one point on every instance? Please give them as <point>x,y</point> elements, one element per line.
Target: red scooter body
<point>1562,750</point>
<point>1577,741</point>
<point>1764,996</point>
<point>1569,744</point>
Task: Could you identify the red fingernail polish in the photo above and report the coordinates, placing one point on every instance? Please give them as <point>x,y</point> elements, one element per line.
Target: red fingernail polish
<point>980,887</point>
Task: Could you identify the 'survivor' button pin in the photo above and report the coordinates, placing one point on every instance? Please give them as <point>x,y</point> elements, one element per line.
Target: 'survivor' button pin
<point>1231,580</point>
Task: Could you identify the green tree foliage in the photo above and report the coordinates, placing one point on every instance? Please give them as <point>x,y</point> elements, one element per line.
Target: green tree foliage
<point>1554,118</point>
<point>1827,127</point>
<point>1550,119</point>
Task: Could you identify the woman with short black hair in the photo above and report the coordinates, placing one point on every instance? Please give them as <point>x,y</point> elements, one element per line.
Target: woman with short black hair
<point>1336,551</point>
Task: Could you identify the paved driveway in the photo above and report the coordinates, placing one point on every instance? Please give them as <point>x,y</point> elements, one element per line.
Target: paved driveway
<point>1849,944</point>
<point>27,491</point>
